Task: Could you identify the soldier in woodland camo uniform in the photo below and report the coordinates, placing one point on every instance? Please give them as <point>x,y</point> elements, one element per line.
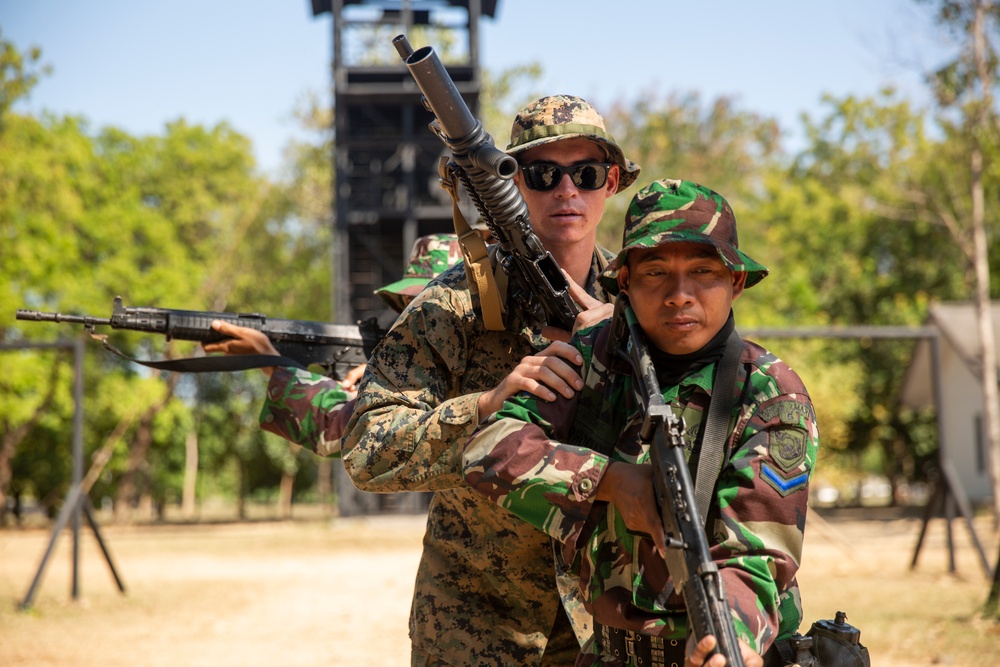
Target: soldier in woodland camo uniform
<point>551,463</point>
<point>311,409</point>
<point>486,590</point>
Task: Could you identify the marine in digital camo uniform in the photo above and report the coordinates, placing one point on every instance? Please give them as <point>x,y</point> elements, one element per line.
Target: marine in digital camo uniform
<point>544,461</point>
<point>485,592</point>
<point>312,410</point>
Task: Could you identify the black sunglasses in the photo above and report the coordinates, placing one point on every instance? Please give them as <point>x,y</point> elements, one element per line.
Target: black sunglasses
<point>545,176</point>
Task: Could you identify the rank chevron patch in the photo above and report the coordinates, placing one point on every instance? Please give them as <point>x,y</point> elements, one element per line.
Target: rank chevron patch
<point>784,486</point>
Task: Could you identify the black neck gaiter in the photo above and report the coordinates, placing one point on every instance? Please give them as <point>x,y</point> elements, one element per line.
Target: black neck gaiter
<point>672,368</point>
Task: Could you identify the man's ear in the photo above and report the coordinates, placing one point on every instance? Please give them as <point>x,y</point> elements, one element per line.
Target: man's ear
<point>611,187</point>
<point>739,283</point>
<point>623,278</point>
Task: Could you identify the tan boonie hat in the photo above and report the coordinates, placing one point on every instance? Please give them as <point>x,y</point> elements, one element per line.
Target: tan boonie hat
<point>430,256</point>
<point>559,117</point>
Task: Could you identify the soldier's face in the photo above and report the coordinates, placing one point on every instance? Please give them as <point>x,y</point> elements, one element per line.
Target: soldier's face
<point>566,215</point>
<point>681,294</point>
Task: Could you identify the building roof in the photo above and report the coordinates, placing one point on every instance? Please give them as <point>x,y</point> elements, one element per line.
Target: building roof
<point>957,323</point>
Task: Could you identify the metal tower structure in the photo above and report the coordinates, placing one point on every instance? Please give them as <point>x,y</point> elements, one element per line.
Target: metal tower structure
<point>386,193</point>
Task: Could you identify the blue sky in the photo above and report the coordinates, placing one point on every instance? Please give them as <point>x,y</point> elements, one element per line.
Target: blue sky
<point>137,64</point>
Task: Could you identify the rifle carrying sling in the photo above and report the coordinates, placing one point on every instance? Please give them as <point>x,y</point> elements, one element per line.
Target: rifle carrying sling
<point>241,362</point>
<point>713,442</point>
<point>478,267</point>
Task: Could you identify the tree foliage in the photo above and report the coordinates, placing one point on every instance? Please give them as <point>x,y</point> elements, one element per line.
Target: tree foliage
<point>177,220</point>
<point>861,226</point>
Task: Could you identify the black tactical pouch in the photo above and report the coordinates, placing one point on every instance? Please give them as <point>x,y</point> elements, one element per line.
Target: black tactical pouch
<point>837,643</point>
<point>833,643</point>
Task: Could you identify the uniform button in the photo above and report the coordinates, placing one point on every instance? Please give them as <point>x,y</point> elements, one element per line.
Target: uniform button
<point>586,484</point>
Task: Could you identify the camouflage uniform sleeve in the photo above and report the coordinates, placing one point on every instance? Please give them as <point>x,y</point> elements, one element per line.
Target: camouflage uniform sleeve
<point>762,501</point>
<point>516,461</point>
<point>414,411</point>
<point>306,408</point>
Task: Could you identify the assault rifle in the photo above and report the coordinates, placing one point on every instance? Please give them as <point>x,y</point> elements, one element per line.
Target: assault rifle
<point>534,281</point>
<point>334,347</point>
<point>692,571</point>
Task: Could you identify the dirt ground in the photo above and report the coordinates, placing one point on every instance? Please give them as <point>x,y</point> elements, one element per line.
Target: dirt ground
<point>337,592</point>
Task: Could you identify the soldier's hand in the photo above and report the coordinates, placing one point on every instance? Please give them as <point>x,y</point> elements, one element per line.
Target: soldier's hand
<point>629,487</point>
<point>349,382</point>
<point>697,654</point>
<point>552,370</point>
<point>241,340</point>
<point>594,311</point>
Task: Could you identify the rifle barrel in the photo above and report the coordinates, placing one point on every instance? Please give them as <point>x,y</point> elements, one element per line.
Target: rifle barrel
<point>39,316</point>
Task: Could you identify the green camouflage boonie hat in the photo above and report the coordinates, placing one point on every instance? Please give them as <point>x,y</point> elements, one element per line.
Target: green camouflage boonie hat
<point>560,117</point>
<point>676,211</point>
<point>430,256</point>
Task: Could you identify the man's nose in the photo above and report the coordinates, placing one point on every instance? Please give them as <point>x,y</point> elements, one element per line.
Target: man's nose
<point>566,187</point>
<point>679,290</point>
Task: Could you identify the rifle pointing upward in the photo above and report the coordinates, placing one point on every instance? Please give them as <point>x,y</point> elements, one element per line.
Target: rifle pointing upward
<point>534,280</point>
<point>334,347</point>
<point>692,571</point>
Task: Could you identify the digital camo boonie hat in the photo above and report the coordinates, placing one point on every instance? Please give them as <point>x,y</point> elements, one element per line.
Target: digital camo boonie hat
<point>560,117</point>
<point>430,256</point>
<point>671,211</point>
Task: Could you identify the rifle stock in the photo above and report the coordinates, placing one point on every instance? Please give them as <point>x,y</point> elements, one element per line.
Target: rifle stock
<point>535,282</point>
<point>334,347</point>
<point>693,573</point>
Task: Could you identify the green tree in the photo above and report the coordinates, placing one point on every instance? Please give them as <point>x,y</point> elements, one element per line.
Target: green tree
<point>848,257</point>
<point>678,136</point>
<point>965,87</point>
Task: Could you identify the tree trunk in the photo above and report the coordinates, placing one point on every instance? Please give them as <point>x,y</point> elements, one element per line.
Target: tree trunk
<point>241,501</point>
<point>285,495</point>
<point>324,489</point>
<point>188,494</point>
<point>130,487</point>
<point>127,499</point>
<point>984,313</point>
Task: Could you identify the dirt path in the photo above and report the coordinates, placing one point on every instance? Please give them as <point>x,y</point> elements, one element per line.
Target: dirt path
<point>336,593</point>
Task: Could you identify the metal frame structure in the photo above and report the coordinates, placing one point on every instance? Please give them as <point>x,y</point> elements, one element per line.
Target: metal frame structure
<point>77,503</point>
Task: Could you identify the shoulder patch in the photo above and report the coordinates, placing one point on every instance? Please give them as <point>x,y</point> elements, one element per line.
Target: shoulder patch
<point>788,412</point>
<point>787,447</point>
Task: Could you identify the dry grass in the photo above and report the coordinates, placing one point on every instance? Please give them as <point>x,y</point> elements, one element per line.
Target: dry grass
<point>337,592</point>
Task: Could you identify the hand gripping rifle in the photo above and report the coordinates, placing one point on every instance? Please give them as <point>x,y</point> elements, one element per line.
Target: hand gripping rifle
<point>334,347</point>
<point>695,576</point>
<point>534,281</point>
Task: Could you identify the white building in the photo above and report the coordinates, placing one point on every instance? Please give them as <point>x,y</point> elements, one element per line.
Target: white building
<point>960,421</point>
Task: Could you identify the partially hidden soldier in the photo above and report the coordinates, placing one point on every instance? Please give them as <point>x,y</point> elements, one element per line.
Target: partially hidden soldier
<point>575,467</point>
<point>486,588</point>
<point>310,409</point>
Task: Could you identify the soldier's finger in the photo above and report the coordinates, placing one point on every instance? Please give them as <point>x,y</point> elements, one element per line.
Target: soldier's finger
<point>580,295</point>
<point>592,316</point>
<point>224,327</point>
<point>352,376</point>
<point>560,373</point>
<point>538,389</point>
<point>698,652</point>
<point>562,350</point>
